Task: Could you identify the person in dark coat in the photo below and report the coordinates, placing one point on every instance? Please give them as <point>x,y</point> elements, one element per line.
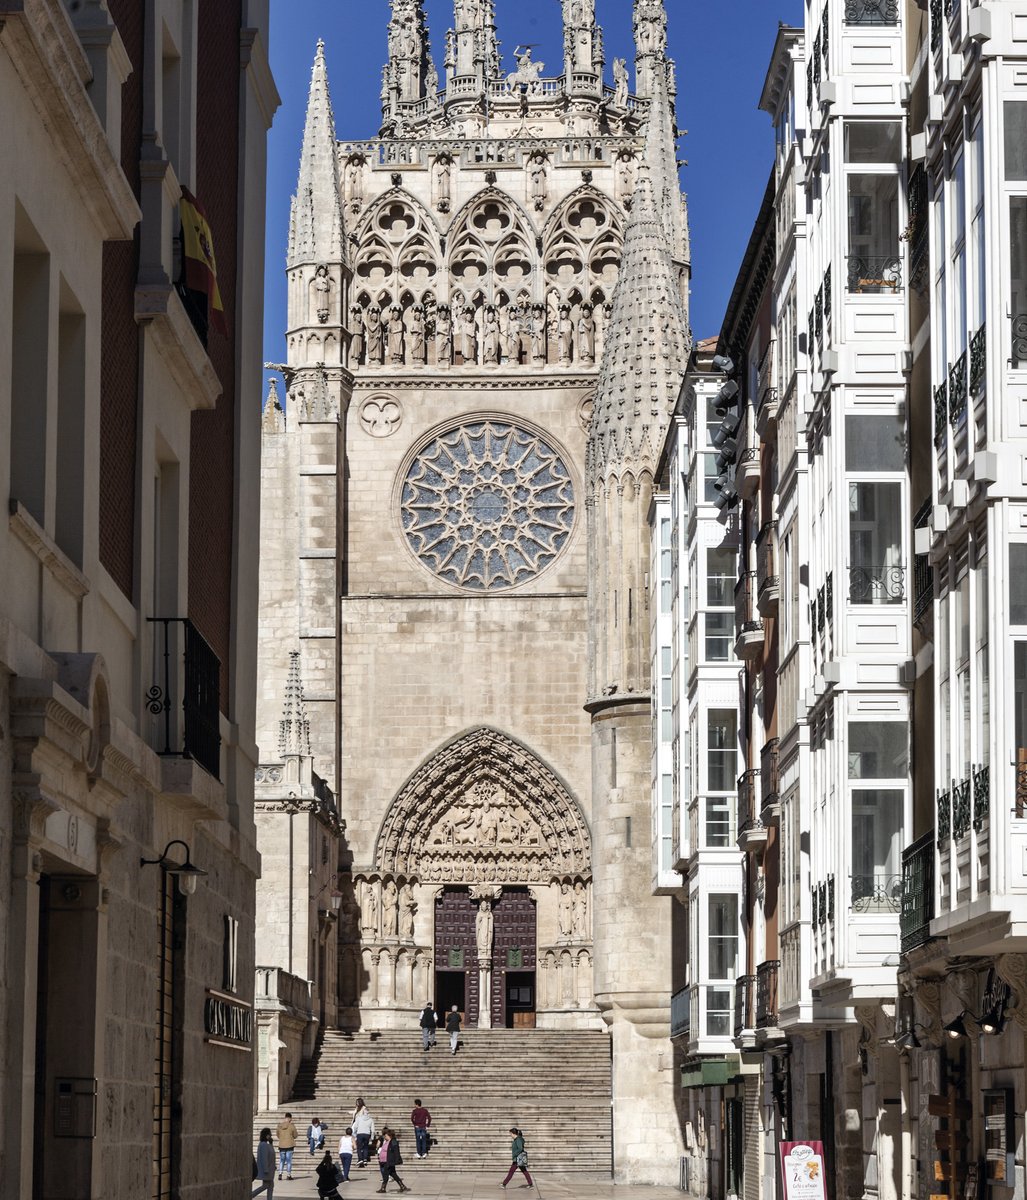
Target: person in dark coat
<point>453,1028</point>
<point>328,1178</point>
<point>428,1022</point>
<point>389,1158</point>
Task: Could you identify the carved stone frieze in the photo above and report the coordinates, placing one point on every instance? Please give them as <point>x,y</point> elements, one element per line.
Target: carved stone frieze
<point>1012,968</point>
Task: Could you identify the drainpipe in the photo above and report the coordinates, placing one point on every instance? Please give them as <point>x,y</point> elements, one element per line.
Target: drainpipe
<point>907,1133</point>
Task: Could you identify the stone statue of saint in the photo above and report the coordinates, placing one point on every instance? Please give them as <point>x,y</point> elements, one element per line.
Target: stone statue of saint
<point>407,908</point>
<point>444,336</point>
<point>510,322</point>
<point>356,324</point>
<point>580,926</point>
<point>369,909</point>
<point>417,345</point>
<point>483,929</point>
<point>539,192</point>
<point>565,335</point>
<point>322,291</point>
<point>396,332</point>
<point>468,336</point>
<point>620,82</point>
<point>565,911</point>
<point>586,335</point>
<point>390,909</point>
<point>490,337</point>
<point>374,335</point>
<point>443,176</point>
<point>538,334</point>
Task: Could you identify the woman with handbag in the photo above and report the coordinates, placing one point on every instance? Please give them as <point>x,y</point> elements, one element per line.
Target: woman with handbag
<point>389,1158</point>
<point>520,1158</point>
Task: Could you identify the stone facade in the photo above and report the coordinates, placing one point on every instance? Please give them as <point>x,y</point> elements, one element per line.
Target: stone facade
<point>453,290</point>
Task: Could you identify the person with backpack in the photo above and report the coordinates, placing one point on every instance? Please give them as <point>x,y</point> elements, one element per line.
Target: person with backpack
<point>428,1022</point>
<point>519,1156</point>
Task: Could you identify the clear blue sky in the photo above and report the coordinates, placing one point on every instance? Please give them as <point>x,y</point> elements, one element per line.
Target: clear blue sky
<point>722,48</point>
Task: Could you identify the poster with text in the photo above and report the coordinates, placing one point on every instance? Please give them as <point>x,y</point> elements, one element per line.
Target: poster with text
<point>802,1168</point>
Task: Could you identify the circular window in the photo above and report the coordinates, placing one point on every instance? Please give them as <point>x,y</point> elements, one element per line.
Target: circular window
<point>487,505</point>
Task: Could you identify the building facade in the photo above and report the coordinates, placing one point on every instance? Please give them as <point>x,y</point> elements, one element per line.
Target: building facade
<point>456,542</point>
<point>128,616</point>
<point>871,466</point>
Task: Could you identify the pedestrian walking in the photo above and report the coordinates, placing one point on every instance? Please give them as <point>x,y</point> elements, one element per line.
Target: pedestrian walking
<point>389,1158</point>
<point>420,1118</point>
<point>429,1023</point>
<point>363,1131</point>
<point>346,1152</point>
<point>287,1134</point>
<point>316,1135</point>
<point>453,1028</point>
<point>328,1178</point>
<point>266,1164</point>
<point>519,1156</point>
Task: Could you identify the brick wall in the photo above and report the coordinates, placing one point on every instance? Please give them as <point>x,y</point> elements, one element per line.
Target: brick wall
<point>212,467</point>
<point>119,344</point>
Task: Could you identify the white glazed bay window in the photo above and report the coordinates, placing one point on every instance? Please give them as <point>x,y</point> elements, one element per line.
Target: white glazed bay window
<point>1018,619</point>
<point>1015,119</point>
<point>878,769</point>
<point>875,461</point>
<point>873,151</point>
<point>722,962</point>
<point>721,776</point>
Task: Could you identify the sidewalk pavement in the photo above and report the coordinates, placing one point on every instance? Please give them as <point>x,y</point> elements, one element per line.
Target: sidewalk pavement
<point>438,1184</point>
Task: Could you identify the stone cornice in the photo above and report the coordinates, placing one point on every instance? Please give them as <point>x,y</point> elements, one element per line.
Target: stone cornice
<point>53,68</point>
<point>158,305</point>
<point>28,531</point>
<point>253,56</point>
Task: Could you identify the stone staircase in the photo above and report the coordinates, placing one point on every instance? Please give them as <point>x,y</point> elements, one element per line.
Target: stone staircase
<point>554,1085</point>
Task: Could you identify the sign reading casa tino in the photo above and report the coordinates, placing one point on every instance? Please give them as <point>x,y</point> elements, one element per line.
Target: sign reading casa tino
<point>227,1021</point>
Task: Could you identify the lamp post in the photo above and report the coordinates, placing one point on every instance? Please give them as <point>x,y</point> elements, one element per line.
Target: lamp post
<point>186,873</point>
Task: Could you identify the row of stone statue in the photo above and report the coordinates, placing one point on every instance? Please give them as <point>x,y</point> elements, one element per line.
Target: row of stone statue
<point>489,336</point>
<point>398,908</point>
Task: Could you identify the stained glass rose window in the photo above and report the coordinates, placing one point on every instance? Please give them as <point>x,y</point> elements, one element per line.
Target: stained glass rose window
<point>487,505</point>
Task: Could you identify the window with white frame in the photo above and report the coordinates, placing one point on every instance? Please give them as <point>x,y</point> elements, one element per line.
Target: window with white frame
<point>722,962</point>
<point>721,775</point>
<point>666,567</point>
<point>721,565</point>
<point>975,149</point>
<point>878,770</point>
<point>1020,724</point>
<point>873,150</point>
<point>1015,119</point>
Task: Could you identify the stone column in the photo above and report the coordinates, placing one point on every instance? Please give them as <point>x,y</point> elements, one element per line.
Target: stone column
<point>485,994</point>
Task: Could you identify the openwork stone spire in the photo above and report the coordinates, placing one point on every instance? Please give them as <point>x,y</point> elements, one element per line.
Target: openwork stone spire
<point>650,27</point>
<point>409,75</point>
<point>661,155</point>
<point>316,224</point>
<point>273,420</point>
<point>582,39</point>
<point>294,728</point>
<point>647,346</point>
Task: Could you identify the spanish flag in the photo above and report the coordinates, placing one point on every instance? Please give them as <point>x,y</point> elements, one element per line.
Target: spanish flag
<point>201,272</point>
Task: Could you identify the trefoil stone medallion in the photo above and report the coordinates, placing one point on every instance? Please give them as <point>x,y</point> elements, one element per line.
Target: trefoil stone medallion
<point>487,505</point>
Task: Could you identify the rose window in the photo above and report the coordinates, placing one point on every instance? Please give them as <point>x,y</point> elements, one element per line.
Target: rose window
<point>487,505</point>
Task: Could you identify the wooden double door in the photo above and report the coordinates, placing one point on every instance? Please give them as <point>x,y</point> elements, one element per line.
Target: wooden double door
<point>457,978</point>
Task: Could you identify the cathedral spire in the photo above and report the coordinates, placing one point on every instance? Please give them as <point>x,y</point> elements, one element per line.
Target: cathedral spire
<point>647,345</point>
<point>316,224</point>
<point>650,27</point>
<point>410,74</point>
<point>474,50</point>
<point>661,155</point>
<point>294,728</point>
<point>582,40</point>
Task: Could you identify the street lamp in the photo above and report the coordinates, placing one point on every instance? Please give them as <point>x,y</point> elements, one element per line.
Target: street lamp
<point>185,873</point>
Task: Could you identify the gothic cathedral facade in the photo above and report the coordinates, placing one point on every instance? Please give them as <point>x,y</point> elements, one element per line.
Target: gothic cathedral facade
<point>487,309</point>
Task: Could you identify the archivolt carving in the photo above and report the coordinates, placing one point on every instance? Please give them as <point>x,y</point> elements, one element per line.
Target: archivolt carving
<point>484,809</point>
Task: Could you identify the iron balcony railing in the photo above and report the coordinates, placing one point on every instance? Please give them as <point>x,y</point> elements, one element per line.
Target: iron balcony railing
<point>978,359</point>
<point>185,698</point>
<point>877,584</point>
<point>957,391</point>
<point>874,273</point>
<point>876,893</point>
<point>747,618</point>
<point>745,1003</point>
<point>923,571</point>
<point>1018,325</point>
<point>767,580</point>
<point>770,777</point>
<point>766,993</point>
<point>917,892</point>
<point>1021,782</point>
<point>748,809</point>
<point>871,12</point>
<point>982,797</point>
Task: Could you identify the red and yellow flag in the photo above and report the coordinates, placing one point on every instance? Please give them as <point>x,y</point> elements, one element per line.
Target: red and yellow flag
<point>201,272</point>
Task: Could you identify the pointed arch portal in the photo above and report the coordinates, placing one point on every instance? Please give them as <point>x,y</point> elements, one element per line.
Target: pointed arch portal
<point>484,809</point>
